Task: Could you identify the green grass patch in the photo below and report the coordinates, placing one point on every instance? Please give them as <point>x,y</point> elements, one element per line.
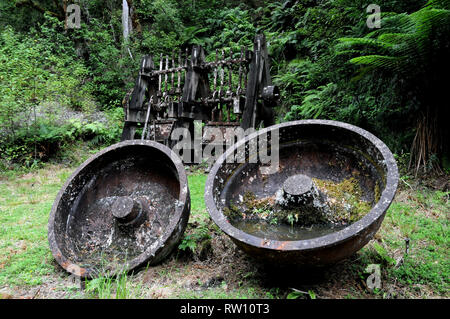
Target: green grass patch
<point>198,229</point>
<point>197,191</point>
<point>25,204</point>
<point>422,219</point>
<point>425,222</point>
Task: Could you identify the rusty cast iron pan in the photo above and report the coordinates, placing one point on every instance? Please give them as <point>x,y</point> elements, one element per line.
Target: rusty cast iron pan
<point>125,206</point>
<point>321,149</point>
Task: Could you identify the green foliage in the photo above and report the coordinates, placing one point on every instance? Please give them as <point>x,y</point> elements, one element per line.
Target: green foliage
<point>311,64</point>
<point>198,230</point>
<point>109,287</point>
<point>38,70</point>
<point>296,294</point>
<point>412,49</point>
<point>383,254</point>
<point>111,68</point>
<point>237,30</point>
<point>315,103</point>
<point>428,239</point>
<point>316,49</point>
<point>45,138</point>
<point>30,73</point>
<point>192,240</point>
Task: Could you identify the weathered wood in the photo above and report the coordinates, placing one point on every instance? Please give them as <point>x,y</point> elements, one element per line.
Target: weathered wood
<point>128,131</point>
<point>198,99</point>
<point>142,83</point>
<point>266,113</point>
<point>254,86</point>
<point>196,83</point>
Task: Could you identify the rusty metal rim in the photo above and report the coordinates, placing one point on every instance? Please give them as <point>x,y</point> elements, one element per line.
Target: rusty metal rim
<point>182,197</point>
<point>377,212</point>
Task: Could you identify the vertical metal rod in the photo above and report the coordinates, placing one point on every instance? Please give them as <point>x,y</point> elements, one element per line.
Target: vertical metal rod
<point>230,84</point>
<point>222,72</point>
<point>179,76</point>
<point>245,74</point>
<point>230,70</point>
<point>215,72</point>
<point>222,77</point>
<point>147,118</point>
<point>166,76</point>
<point>185,65</point>
<point>220,115</point>
<point>172,73</point>
<point>240,69</point>
<point>160,76</point>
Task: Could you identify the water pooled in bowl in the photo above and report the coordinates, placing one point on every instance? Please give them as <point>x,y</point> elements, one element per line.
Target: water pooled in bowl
<point>319,189</point>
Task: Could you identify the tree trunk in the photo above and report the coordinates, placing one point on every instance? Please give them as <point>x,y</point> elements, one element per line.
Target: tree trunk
<point>126,20</point>
<point>427,144</point>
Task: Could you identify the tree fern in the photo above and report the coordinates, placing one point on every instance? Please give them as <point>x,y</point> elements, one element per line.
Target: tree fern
<point>442,4</point>
<point>416,47</point>
<point>405,48</point>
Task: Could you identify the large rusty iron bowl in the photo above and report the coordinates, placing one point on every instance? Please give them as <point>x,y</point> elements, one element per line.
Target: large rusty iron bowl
<point>320,149</point>
<point>125,206</point>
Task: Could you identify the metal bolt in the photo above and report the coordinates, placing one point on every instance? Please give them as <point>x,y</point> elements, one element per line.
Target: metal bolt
<point>126,210</point>
<point>298,189</point>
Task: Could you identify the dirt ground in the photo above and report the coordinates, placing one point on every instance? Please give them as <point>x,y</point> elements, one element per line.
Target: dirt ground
<point>224,271</point>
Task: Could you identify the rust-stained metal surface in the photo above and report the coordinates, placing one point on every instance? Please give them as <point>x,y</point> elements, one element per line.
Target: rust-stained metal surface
<point>125,206</point>
<point>310,152</point>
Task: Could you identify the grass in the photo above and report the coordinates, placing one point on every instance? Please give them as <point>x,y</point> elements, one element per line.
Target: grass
<point>210,266</point>
<point>425,221</point>
<point>196,183</point>
<point>422,218</point>
<point>25,203</point>
<point>117,287</point>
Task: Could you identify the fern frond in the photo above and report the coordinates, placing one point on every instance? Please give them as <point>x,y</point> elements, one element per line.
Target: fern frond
<point>379,61</point>
<point>395,38</point>
<point>351,42</point>
<point>407,42</point>
<point>348,52</point>
<point>438,4</point>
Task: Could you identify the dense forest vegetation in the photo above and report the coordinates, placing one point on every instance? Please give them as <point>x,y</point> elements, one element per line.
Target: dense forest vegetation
<point>328,63</point>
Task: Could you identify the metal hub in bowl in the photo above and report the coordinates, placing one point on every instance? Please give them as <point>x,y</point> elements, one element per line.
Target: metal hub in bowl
<point>324,202</point>
<point>127,205</point>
